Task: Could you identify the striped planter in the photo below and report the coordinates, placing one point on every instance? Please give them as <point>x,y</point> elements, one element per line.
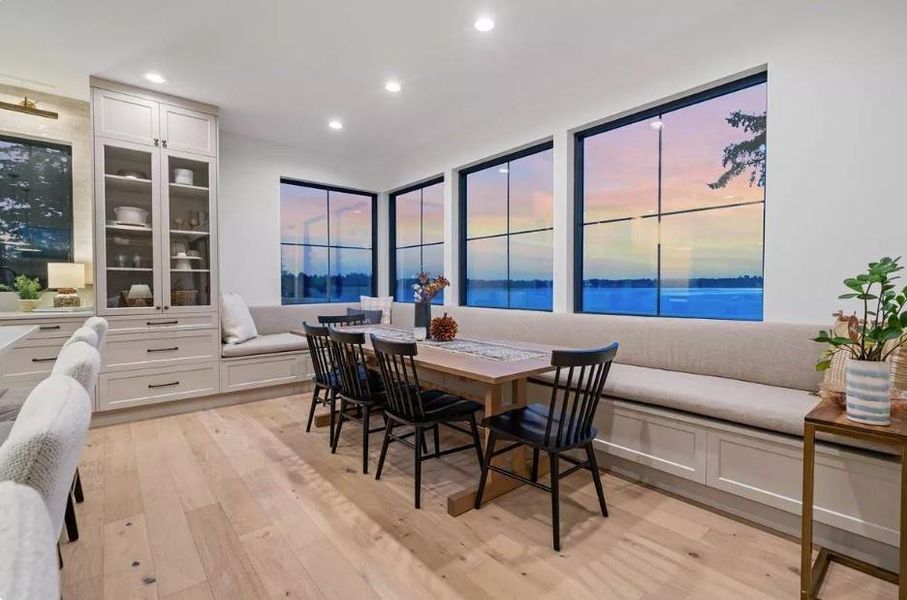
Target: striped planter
<point>868,392</point>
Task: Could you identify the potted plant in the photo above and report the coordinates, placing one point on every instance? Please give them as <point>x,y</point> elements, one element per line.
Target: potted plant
<point>8,299</point>
<point>29,291</point>
<point>424,291</point>
<point>870,341</point>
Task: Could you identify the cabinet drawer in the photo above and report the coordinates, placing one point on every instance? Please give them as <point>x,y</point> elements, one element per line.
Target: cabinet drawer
<point>160,349</point>
<point>56,329</point>
<point>139,324</point>
<point>31,360</point>
<point>135,388</point>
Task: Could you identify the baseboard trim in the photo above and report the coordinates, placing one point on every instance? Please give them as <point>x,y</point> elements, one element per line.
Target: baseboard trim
<point>153,411</point>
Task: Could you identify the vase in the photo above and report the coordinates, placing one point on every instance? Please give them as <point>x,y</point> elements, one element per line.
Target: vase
<point>869,392</point>
<point>422,316</point>
<point>28,305</point>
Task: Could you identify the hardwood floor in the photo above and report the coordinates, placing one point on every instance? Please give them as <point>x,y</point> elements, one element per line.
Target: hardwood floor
<point>240,502</point>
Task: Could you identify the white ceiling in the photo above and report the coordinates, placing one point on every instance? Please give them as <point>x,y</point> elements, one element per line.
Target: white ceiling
<point>280,69</point>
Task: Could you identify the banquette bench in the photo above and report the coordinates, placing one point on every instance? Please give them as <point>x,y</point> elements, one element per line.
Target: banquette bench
<point>713,410</point>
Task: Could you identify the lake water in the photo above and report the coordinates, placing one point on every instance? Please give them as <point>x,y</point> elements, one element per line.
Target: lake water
<point>713,303</point>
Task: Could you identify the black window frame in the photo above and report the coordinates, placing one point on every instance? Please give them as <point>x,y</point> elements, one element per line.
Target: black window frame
<point>392,231</point>
<point>462,208</point>
<point>344,190</point>
<point>579,199</point>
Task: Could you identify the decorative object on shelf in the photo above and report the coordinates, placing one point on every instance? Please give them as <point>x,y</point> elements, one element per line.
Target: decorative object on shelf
<point>183,262</point>
<point>121,261</point>
<point>67,279</point>
<point>137,261</point>
<point>131,215</point>
<point>184,297</point>
<point>424,291</point>
<point>444,329</point>
<point>178,248</point>
<point>870,341</point>
<point>178,223</point>
<point>195,220</point>
<point>29,291</point>
<point>132,174</point>
<point>183,176</point>
<point>138,296</point>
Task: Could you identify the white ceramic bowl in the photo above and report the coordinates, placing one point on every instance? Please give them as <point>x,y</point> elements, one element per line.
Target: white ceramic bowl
<point>131,214</point>
<point>183,176</point>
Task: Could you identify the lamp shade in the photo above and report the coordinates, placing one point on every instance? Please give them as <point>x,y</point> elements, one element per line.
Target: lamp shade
<point>140,290</point>
<point>65,275</point>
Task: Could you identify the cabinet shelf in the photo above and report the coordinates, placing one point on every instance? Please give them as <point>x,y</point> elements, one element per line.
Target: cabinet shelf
<point>194,191</point>
<point>130,228</point>
<point>189,233</point>
<point>190,270</point>
<point>131,269</point>
<point>126,184</point>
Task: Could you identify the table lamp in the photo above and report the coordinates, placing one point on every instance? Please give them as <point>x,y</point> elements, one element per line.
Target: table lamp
<point>66,278</point>
<point>139,295</point>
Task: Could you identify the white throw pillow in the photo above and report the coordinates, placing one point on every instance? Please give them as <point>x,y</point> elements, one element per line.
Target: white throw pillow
<point>381,303</point>
<point>236,321</point>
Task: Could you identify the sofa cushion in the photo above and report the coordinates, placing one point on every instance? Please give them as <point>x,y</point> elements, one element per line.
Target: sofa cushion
<point>281,319</point>
<point>372,317</point>
<point>382,303</point>
<point>752,404</point>
<point>236,321</point>
<point>266,344</point>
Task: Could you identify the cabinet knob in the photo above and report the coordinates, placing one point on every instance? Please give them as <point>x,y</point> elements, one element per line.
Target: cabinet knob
<point>157,142</point>
<point>157,308</point>
<point>164,143</point>
<point>166,308</point>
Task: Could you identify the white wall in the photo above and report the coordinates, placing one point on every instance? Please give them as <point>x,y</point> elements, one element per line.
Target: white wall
<point>249,210</point>
<point>836,194</point>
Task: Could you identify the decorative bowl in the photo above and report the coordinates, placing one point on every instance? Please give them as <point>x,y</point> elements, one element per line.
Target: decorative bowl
<point>131,215</point>
<point>183,176</point>
<point>132,174</point>
<point>184,297</point>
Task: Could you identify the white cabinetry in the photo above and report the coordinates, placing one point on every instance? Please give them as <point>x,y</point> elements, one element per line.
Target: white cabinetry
<point>156,222</point>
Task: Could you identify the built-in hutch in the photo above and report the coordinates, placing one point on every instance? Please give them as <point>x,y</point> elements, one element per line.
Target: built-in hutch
<point>155,161</point>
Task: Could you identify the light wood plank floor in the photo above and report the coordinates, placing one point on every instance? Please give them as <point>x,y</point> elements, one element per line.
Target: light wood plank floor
<point>240,502</point>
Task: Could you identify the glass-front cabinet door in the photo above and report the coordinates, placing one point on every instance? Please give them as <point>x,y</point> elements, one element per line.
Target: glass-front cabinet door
<point>188,214</point>
<point>129,222</point>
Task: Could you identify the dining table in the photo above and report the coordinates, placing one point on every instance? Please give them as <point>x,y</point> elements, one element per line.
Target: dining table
<point>493,372</point>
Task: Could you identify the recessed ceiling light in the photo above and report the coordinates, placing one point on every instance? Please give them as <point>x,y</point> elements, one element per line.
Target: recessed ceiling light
<point>484,24</point>
<point>503,170</point>
<point>656,125</point>
<point>393,86</point>
<point>155,78</point>
<point>335,124</point>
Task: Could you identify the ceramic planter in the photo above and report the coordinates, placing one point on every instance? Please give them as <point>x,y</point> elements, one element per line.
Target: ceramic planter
<point>868,392</point>
<point>28,305</point>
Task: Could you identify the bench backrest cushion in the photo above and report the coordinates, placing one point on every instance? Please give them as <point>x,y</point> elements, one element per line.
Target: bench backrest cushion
<point>281,319</point>
<point>780,354</point>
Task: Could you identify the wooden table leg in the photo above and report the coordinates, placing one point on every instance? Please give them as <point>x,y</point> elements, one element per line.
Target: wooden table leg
<point>464,500</point>
<point>806,530</point>
<point>902,573</point>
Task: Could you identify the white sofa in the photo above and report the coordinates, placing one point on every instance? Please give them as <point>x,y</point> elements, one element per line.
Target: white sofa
<point>714,410</point>
<point>276,356</point>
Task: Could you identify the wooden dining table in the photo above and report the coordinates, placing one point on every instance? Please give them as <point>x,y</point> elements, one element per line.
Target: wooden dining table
<point>498,384</point>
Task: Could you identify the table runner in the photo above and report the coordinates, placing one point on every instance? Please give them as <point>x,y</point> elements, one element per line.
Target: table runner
<point>479,348</point>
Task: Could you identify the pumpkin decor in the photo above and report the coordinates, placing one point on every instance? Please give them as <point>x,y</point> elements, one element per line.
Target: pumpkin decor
<point>443,329</point>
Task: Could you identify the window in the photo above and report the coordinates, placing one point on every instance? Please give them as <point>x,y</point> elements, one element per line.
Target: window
<point>416,236</point>
<point>506,231</point>
<point>326,243</point>
<point>670,206</point>
<point>36,225</point>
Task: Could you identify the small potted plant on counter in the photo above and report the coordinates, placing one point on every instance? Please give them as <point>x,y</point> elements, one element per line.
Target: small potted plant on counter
<point>424,291</point>
<point>29,291</point>
<point>870,341</point>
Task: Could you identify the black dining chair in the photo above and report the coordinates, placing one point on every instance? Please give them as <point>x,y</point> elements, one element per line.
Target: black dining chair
<point>361,393</point>
<point>326,379</point>
<point>341,320</point>
<point>408,405</point>
<point>564,424</point>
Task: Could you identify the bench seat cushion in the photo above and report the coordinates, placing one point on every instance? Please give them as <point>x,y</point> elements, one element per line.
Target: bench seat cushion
<point>266,344</point>
<point>752,404</point>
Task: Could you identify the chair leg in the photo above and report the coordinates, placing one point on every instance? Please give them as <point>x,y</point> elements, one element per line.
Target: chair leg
<point>59,557</point>
<point>489,450</point>
<point>77,488</point>
<point>308,425</point>
<point>597,479</point>
<point>384,444</point>
<point>365,428</point>
<point>72,527</point>
<point>436,431</point>
<point>417,483</point>
<point>535,465</point>
<point>555,501</point>
<point>339,426</point>
<point>475,438</point>
<point>332,403</point>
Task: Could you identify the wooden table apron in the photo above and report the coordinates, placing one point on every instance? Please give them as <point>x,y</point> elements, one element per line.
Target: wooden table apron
<point>827,417</point>
<point>499,385</point>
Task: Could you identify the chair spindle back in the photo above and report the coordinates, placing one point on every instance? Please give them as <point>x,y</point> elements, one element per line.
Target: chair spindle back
<point>341,320</point>
<point>398,372</point>
<point>320,351</point>
<point>349,359</point>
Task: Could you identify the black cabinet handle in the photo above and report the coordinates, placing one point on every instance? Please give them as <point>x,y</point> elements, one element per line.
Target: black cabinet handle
<point>157,141</point>
<point>164,143</point>
<point>152,386</point>
<point>44,360</point>
<point>48,327</point>
<point>173,349</point>
<point>149,323</point>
